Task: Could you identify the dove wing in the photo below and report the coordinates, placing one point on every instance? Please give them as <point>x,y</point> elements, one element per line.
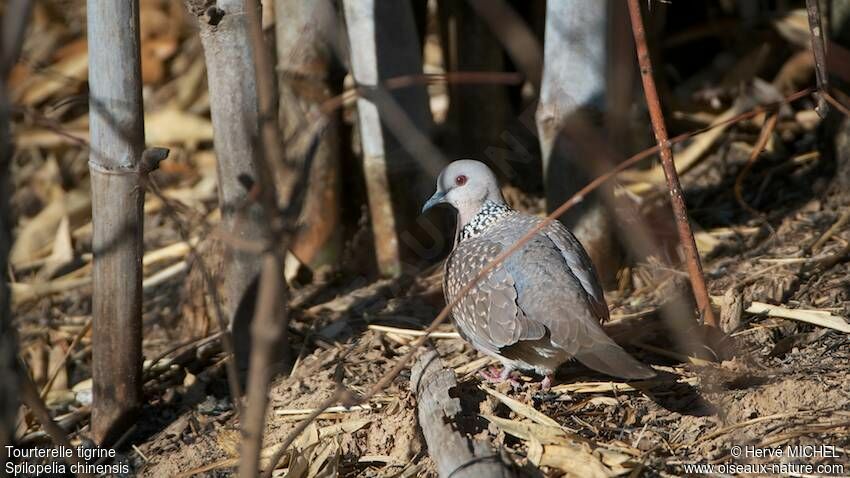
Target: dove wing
<point>558,288</point>
<point>489,314</point>
<point>580,266</point>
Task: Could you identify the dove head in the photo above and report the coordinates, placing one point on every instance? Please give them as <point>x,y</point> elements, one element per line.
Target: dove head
<point>466,184</point>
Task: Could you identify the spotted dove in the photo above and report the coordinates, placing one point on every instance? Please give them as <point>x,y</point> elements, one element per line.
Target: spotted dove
<point>539,308</point>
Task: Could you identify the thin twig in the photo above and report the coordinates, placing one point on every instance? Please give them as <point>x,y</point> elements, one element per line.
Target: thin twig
<point>407,81</point>
<point>837,226</point>
<point>834,102</point>
<point>819,52</point>
<point>764,136</point>
<point>686,236</point>
<point>271,318</point>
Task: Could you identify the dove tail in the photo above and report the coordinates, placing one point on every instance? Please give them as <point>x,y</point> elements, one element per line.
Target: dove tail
<point>611,359</point>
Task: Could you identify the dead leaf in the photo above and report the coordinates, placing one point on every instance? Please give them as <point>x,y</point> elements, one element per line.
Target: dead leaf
<point>63,251</point>
<point>70,72</point>
<point>59,398</point>
<point>38,233</point>
<point>619,463</point>
<point>574,460</point>
<point>56,361</point>
<point>310,436</point>
<point>171,126</point>
<point>551,446</point>
<point>321,456</point>
<point>525,430</point>
<point>603,401</point>
<point>298,467</point>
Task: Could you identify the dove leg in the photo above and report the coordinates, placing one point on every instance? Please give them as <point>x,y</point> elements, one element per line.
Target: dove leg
<point>546,383</point>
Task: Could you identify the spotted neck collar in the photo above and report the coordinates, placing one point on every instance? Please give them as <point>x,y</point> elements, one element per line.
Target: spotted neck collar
<point>489,213</point>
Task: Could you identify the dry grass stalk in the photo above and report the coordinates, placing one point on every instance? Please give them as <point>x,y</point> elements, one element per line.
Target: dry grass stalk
<point>55,373</point>
<point>814,317</point>
<point>613,387</point>
<point>528,412</point>
<point>413,333</point>
<point>836,226</point>
<point>25,292</point>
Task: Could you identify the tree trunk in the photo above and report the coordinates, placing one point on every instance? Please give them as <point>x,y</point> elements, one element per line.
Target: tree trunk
<point>387,46</point>
<point>233,106</point>
<point>117,143</point>
<point>309,76</point>
<point>574,84</point>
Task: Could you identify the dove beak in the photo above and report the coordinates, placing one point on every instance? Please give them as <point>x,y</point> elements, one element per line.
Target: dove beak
<point>437,198</point>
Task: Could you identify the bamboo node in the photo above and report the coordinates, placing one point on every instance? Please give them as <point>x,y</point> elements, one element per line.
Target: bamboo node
<point>120,171</point>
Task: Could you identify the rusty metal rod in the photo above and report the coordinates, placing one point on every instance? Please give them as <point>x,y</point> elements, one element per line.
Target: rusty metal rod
<point>680,212</point>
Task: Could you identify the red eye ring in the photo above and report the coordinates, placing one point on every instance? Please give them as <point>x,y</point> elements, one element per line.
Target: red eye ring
<point>460,180</point>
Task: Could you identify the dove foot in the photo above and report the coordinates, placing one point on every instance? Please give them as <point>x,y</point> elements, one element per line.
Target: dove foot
<point>497,375</point>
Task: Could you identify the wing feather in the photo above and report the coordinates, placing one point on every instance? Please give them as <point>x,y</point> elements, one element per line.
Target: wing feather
<point>580,265</point>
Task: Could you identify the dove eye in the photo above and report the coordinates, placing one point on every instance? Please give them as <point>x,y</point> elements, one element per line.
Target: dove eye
<point>460,180</point>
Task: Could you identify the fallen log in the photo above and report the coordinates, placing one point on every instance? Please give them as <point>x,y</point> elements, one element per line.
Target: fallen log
<point>455,454</point>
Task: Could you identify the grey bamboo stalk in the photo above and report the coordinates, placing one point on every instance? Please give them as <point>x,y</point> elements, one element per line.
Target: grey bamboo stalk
<point>574,83</point>
<point>308,76</point>
<point>233,106</point>
<point>14,24</point>
<point>117,144</point>
<point>384,44</point>
<point>360,20</point>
